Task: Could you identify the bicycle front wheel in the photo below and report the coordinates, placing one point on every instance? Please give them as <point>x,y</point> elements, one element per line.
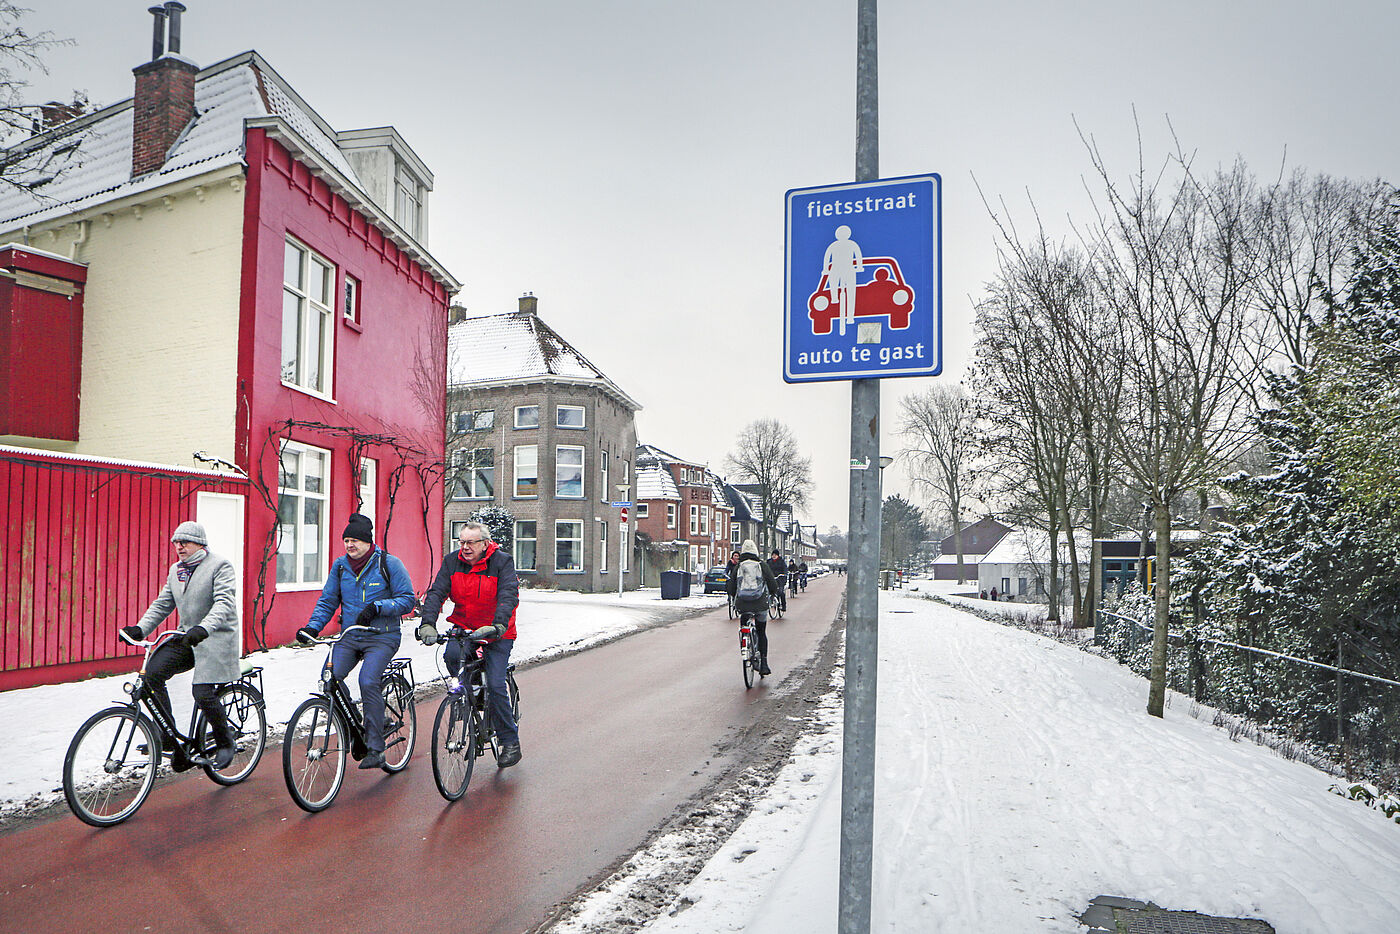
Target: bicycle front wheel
<point>244,708</point>
<point>454,747</point>
<point>400,723</point>
<point>110,766</point>
<point>314,753</point>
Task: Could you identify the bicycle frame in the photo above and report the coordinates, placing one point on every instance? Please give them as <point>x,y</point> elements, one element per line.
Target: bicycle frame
<point>334,690</point>
<point>141,698</point>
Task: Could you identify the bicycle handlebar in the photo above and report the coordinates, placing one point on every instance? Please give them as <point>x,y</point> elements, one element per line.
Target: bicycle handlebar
<point>148,643</point>
<point>328,640</point>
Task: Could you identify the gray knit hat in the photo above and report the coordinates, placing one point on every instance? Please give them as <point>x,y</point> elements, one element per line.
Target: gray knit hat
<point>190,532</point>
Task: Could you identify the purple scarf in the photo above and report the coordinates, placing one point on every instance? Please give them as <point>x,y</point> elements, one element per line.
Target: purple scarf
<point>184,570</point>
<point>358,565</point>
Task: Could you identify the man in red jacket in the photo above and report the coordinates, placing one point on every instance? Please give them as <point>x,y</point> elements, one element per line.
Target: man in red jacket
<point>480,579</point>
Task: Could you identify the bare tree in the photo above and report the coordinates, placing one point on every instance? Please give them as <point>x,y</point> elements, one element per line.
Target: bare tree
<point>767,455</point>
<point>938,430</point>
<point>1176,261</point>
<point>22,53</point>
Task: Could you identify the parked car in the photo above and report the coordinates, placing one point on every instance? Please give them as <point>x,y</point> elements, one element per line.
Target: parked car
<point>716,578</point>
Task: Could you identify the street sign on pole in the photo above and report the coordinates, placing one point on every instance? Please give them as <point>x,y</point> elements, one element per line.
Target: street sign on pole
<point>864,292</point>
<point>622,504</point>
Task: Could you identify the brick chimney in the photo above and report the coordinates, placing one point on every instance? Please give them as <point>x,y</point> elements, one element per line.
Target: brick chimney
<point>529,305</point>
<point>164,101</point>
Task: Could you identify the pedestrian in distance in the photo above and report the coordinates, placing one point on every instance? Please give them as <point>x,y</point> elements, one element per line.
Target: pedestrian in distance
<point>480,580</point>
<point>373,591</point>
<point>750,587</point>
<point>204,589</point>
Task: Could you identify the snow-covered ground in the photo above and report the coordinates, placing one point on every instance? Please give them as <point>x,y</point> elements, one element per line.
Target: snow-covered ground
<point>42,720</point>
<point>1018,778</point>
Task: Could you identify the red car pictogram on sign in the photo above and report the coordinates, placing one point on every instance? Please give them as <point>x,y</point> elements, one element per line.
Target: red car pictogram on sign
<point>885,295</point>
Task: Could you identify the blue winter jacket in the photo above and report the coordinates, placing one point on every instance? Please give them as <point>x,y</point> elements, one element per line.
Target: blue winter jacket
<point>392,598</point>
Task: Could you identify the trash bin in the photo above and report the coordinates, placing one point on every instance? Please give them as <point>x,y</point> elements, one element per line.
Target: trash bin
<point>674,585</point>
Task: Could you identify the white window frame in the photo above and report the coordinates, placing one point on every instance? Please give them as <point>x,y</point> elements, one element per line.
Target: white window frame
<point>369,487</point>
<point>310,308</point>
<point>560,465</point>
<point>603,546</point>
<point>533,476</point>
<point>577,538</point>
<point>559,421</point>
<point>408,201</point>
<point>466,477</point>
<point>670,515</point>
<point>604,491</point>
<point>704,520</point>
<point>473,420</point>
<point>642,510</point>
<point>300,580</point>
<point>521,410</point>
<point>350,300</point>
<point>694,519</point>
<point>521,538</point>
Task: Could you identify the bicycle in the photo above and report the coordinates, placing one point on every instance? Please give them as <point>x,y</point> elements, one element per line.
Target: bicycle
<point>462,729</point>
<point>748,649</point>
<point>328,727</point>
<point>112,761</point>
<point>732,612</point>
<point>776,605</point>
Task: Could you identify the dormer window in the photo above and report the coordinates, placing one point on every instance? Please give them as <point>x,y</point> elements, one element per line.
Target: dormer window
<point>408,202</point>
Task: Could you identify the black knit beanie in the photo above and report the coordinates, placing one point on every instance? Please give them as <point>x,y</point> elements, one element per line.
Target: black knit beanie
<point>359,527</point>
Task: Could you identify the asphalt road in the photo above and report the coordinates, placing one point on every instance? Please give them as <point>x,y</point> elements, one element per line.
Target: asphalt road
<point>616,740</point>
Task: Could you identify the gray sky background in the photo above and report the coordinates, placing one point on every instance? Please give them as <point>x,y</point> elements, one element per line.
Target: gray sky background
<point>626,160</point>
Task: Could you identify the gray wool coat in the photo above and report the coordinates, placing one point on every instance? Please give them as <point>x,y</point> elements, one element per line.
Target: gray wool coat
<point>208,599</point>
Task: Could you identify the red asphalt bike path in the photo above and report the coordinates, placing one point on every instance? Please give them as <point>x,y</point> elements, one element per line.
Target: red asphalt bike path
<point>616,738</point>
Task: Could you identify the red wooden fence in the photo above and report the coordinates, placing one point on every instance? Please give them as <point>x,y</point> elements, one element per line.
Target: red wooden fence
<point>86,549</point>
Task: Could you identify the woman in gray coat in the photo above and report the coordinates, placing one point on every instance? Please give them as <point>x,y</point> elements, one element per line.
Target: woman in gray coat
<point>202,586</point>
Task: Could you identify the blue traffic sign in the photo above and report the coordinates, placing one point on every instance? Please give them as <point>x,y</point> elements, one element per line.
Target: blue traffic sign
<point>864,280</point>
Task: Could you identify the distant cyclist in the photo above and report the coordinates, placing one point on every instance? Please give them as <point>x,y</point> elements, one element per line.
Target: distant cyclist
<point>802,570</point>
<point>792,574</point>
<point>778,566</point>
<point>751,585</point>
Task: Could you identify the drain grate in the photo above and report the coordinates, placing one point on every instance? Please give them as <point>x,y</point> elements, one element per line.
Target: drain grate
<point>1110,914</point>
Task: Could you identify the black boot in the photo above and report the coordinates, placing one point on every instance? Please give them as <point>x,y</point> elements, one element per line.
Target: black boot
<point>763,668</point>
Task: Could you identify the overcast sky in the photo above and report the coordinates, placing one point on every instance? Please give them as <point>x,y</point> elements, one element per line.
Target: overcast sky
<point>626,160</point>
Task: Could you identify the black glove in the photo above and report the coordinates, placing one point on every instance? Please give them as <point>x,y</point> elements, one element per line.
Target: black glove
<point>195,635</point>
<point>306,635</point>
<point>485,632</point>
<point>367,615</point>
<point>133,633</point>
<point>427,633</point>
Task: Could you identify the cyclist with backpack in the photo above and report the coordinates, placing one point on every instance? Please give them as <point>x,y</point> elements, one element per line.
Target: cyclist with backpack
<point>373,591</point>
<point>750,586</point>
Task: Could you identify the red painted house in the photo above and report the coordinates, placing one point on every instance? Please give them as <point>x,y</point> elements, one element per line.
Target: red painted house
<point>249,296</point>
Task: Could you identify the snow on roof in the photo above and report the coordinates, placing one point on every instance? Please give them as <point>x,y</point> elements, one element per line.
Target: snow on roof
<point>88,160</point>
<point>655,482</point>
<point>1023,546</point>
<point>518,346</point>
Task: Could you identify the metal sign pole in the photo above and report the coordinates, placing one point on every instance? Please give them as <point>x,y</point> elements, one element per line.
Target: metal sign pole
<point>863,558</point>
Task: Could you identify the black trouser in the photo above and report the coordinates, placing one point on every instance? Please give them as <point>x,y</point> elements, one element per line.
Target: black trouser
<point>760,626</point>
<point>172,659</point>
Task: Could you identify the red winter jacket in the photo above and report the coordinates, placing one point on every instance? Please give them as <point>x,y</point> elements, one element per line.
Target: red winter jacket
<point>482,594</point>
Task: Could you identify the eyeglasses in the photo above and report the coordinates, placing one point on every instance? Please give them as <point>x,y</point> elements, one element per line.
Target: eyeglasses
<point>471,541</point>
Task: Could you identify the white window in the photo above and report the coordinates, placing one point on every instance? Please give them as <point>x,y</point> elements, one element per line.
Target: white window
<point>303,491</point>
<point>527,470</point>
<point>527,416</point>
<point>408,202</point>
<point>604,491</point>
<point>475,474</point>
<point>642,510</point>
<point>603,545</point>
<point>568,472</point>
<point>734,534</point>
<point>454,542</point>
<point>308,282</point>
<point>694,520</point>
<point>369,483</point>
<point>568,546</point>
<point>568,416</point>
<point>704,520</point>
<point>351,303</point>
<point>525,540</point>
<point>670,515</point>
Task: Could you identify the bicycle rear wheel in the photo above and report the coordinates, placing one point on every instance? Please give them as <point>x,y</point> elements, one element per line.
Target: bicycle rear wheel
<point>110,766</point>
<point>244,707</point>
<point>400,723</point>
<point>454,747</point>
<point>314,753</point>
<point>746,657</point>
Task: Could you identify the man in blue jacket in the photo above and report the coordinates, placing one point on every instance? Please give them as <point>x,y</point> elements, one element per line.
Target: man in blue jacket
<point>373,591</point>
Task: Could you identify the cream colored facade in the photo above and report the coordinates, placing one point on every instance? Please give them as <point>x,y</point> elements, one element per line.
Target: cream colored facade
<point>160,320</point>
